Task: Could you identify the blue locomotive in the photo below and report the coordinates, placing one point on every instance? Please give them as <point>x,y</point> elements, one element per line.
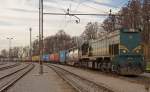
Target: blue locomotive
<point>119,51</point>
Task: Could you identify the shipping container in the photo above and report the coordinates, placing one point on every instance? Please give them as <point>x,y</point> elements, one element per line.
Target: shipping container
<point>54,57</point>
<point>51,57</point>
<point>62,56</point>
<point>72,56</point>
<point>46,57</point>
<point>35,58</point>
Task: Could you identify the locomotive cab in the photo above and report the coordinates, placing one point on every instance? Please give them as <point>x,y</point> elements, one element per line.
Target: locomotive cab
<point>130,58</point>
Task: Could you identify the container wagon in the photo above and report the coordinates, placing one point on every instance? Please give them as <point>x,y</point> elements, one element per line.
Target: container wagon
<point>35,58</point>
<point>46,58</point>
<point>62,57</point>
<point>73,56</point>
<point>54,58</point>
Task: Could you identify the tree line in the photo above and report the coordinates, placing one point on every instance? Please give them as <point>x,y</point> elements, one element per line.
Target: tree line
<point>55,43</point>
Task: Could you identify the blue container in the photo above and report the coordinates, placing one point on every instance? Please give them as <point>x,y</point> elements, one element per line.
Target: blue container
<point>62,56</point>
<point>46,57</point>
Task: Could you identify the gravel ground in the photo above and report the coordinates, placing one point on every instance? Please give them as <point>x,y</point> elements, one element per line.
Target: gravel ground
<point>1,63</point>
<point>48,82</point>
<point>116,84</point>
<point>146,75</point>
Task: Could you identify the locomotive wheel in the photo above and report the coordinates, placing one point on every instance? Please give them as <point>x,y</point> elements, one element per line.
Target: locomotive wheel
<point>118,70</point>
<point>103,68</point>
<point>109,67</point>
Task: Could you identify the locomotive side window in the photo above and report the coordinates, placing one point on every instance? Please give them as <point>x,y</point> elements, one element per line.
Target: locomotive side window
<point>84,48</point>
<point>114,45</point>
<point>116,49</point>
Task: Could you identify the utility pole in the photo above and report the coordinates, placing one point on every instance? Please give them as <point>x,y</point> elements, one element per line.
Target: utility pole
<point>30,52</point>
<point>9,48</point>
<point>41,35</point>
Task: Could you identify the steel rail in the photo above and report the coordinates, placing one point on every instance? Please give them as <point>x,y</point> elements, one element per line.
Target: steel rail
<point>3,63</point>
<point>79,83</point>
<point>9,66</point>
<point>140,79</point>
<point>12,78</point>
<point>9,74</point>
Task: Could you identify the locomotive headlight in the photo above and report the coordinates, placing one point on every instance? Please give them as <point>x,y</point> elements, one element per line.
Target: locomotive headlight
<point>137,51</point>
<point>124,51</point>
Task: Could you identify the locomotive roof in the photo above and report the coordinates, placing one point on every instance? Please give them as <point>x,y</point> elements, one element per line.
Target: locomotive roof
<point>74,48</point>
<point>109,35</point>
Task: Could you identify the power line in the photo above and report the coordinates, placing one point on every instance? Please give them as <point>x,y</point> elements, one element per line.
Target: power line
<point>72,14</point>
<point>90,6</point>
<point>79,5</point>
<point>78,19</point>
<point>103,4</point>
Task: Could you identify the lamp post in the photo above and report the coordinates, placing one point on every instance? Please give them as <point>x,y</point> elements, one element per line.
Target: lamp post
<point>30,52</point>
<point>9,47</point>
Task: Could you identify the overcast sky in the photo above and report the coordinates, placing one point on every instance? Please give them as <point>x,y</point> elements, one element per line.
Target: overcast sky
<point>17,16</point>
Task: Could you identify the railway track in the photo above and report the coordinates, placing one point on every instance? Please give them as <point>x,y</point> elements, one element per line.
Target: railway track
<point>79,83</point>
<point>2,63</point>
<point>139,79</point>
<point>9,66</point>
<point>8,80</point>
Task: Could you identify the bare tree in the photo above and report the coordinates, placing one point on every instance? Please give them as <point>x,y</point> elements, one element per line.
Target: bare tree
<point>130,17</point>
<point>15,52</point>
<point>135,13</point>
<point>90,31</point>
<point>108,25</point>
<point>35,48</point>
<point>20,52</point>
<point>146,27</point>
<point>59,41</point>
<point>4,53</point>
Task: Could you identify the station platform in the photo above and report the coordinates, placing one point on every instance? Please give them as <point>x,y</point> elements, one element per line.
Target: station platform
<point>48,82</point>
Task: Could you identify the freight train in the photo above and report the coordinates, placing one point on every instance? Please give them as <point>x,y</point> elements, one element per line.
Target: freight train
<point>119,51</point>
<point>54,57</point>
